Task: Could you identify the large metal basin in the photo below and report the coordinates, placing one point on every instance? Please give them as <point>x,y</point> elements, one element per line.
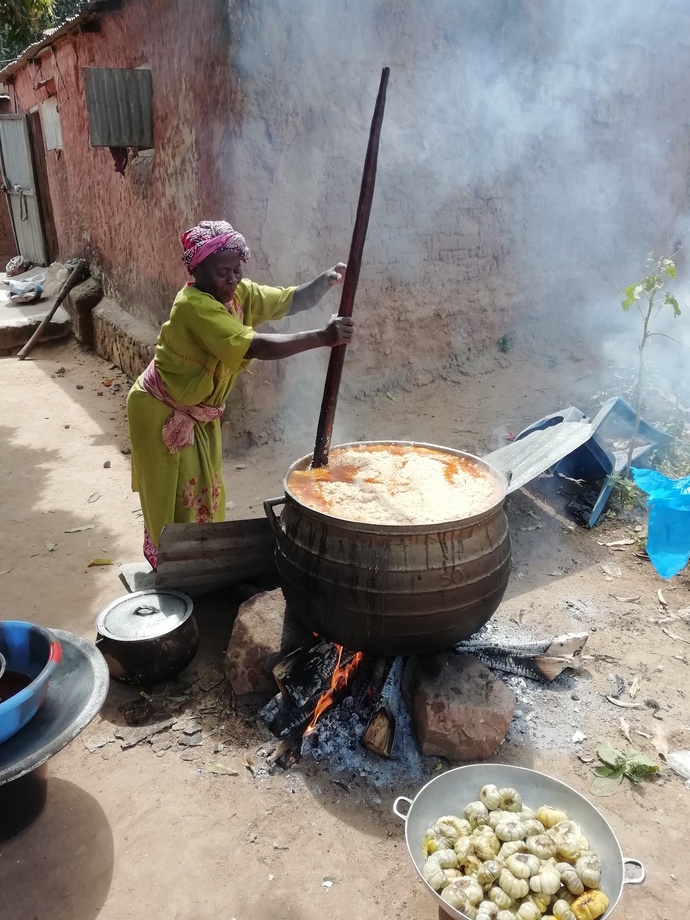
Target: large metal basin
<point>449,793</point>
<point>392,589</point>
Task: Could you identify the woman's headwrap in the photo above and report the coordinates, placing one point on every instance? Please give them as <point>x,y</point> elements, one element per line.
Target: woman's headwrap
<point>208,237</point>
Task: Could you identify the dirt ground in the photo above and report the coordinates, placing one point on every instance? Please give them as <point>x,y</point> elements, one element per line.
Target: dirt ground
<point>129,834</point>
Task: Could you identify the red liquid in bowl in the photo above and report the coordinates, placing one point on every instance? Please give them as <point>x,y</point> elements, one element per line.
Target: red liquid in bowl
<point>11,683</point>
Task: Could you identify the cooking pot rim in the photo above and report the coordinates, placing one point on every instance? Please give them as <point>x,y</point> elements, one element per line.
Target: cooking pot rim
<point>440,526</point>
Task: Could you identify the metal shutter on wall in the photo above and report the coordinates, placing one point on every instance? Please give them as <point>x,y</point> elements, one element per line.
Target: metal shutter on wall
<point>120,107</point>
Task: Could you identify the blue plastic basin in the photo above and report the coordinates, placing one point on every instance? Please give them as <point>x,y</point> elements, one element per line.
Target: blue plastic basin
<point>34,652</point>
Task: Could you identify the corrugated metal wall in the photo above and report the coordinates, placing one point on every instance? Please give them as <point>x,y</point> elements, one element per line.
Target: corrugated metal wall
<point>120,107</point>
<point>22,195</point>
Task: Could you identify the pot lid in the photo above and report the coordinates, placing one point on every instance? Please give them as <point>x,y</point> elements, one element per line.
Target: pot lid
<point>144,615</point>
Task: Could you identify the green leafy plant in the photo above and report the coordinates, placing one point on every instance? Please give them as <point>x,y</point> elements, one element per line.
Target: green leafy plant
<point>625,493</point>
<point>615,765</point>
<point>21,19</point>
<point>649,297</point>
<point>23,22</point>
<point>505,343</point>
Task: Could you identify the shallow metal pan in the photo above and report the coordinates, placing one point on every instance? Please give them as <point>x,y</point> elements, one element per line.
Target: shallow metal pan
<point>450,792</point>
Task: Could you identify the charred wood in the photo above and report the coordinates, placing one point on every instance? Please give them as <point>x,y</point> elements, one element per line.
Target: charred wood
<point>539,660</point>
<point>307,672</point>
<point>285,720</point>
<point>379,736</point>
<point>368,683</point>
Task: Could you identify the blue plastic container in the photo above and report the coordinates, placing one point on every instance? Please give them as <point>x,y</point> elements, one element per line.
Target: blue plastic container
<point>34,652</point>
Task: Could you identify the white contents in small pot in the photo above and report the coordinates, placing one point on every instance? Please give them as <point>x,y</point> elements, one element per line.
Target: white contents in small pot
<point>396,484</point>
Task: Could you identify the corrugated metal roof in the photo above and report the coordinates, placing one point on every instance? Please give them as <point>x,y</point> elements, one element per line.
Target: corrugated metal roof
<point>87,11</point>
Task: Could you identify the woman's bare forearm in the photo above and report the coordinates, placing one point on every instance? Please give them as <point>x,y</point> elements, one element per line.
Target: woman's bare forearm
<point>309,295</point>
<point>274,347</point>
<point>338,331</point>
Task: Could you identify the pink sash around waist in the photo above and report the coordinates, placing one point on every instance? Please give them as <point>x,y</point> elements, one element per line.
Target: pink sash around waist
<point>178,431</point>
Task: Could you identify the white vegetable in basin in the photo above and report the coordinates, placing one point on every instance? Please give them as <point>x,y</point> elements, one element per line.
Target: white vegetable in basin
<point>503,861</point>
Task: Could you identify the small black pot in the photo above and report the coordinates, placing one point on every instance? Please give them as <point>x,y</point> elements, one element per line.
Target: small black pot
<point>148,637</point>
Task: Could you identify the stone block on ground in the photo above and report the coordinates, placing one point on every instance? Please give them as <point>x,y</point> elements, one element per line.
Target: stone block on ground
<point>80,303</point>
<point>121,338</point>
<point>265,631</point>
<point>18,322</point>
<point>462,712</point>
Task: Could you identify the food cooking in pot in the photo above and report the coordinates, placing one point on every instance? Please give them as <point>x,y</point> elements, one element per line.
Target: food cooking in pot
<point>396,484</point>
<point>502,861</point>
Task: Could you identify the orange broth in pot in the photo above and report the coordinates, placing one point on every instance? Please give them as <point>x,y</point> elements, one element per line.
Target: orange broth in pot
<point>396,484</point>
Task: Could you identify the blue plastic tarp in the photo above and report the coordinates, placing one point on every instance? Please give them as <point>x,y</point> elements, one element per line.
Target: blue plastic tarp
<point>668,530</point>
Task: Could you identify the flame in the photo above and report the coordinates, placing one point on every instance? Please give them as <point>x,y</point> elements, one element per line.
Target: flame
<point>341,677</point>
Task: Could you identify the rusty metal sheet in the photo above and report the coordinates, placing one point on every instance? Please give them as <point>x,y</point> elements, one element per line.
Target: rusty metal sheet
<point>204,557</point>
<point>539,451</point>
<point>119,102</point>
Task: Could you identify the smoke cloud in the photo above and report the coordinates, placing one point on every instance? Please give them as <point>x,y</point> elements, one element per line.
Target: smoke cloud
<point>533,153</point>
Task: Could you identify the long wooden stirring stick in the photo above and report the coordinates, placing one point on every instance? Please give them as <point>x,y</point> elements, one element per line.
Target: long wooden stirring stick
<point>324,430</point>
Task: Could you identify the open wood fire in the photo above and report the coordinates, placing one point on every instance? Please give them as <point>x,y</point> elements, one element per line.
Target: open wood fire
<point>314,679</point>
<point>340,679</point>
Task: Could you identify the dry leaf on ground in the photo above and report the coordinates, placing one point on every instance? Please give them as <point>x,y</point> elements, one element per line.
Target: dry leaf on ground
<point>616,543</point>
<point>611,572</point>
<point>660,743</point>
<point>674,636</point>
<point>622,704</point>
<point>220,769</point>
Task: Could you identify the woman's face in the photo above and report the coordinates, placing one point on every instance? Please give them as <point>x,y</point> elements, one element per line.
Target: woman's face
<point>219,275</point>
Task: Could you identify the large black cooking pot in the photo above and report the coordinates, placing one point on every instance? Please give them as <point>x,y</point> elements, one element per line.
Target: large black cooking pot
<point>392,589</point>
<point>148,637</point>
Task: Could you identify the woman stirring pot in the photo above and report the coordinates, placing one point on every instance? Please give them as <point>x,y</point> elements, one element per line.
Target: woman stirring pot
<point>174,408</point>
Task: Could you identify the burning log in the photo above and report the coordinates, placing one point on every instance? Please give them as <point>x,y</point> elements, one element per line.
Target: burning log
<point>284,720</point>
<point>379,736</point>
<point>538,660</point>
<point>368,684</point>
<point>307,672</point>
<point>310,680</point>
